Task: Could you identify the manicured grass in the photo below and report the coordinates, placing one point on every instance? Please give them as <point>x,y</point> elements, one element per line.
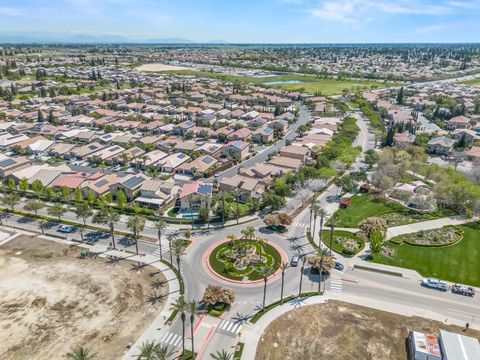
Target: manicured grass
<point>187,355</point>
<point>310,83</point>
<point>366,205</point>
<point>239,351</point>
<point>457,263</point>
<point>224,266</point>
<point>338,248</point>
<point>362,207</point>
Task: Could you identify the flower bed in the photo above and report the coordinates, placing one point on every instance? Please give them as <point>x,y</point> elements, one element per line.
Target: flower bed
<point>344,242</point>
<point>448,235</point>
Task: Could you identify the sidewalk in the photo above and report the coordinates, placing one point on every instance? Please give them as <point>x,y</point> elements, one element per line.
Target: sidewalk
<point>252,333</point>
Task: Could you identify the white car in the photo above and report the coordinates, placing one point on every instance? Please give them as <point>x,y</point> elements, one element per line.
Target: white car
<point>435,284</point>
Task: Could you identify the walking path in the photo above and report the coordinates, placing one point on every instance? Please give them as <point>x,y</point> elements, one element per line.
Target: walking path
<point>251,333</point>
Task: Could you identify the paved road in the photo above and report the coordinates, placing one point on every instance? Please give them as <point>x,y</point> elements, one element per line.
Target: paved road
<point>263,156</point>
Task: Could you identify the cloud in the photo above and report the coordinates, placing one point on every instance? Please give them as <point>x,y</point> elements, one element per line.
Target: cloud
<point>362,11</point>
<point>11,11</point>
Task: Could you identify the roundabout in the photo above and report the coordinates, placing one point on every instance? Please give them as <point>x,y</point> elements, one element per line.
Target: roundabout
<point>241,261</point>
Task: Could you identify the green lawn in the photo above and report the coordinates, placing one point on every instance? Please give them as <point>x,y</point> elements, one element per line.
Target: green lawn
<point>457,263</point>
<point>366,205</point>
<point>474,82</point>
<point>338,247</point>
<point>310,83</point>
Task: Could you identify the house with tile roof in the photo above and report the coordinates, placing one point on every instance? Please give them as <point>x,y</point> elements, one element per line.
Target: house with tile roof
<point>199,192</point>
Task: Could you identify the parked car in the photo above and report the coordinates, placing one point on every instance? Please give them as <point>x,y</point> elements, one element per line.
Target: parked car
<point>435,284</point>
<point>339,266</point>
<point>217,175</point>
<point>65,229</point>
<point>463,290</point>
<point>294,261</point>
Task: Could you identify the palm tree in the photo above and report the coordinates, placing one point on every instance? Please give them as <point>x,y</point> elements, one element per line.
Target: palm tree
<point>222,194</point>
<point>316,210</point>
<point>232,238</point>
<point>180,305</point>
<point>170,238</point>
<point>125,157</point>
<point>265,272</point>
<point>136,223</point>
<point>207,219</point>
<point>222,355</point>
<point>333,221</point>
<point>190,198</point>
<point>81,353</point>
<point>301,276</point>
<point>160,225</point>
<point>177,248</point>
<point>322,254</point>
<point>151,350</point>
<point>249,233</point>
<point>192,308</point>
<point>312,203</point>
<point>107,215</point>
<point>322,213</point>
<point>42,224</point>
<point>237,193</point>
<point>283,267</point>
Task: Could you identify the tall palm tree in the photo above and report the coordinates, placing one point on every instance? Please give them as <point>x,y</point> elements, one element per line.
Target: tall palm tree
<point>160,225</point>
<point>136,223</point>
<point>180,305</point>
<point>81,353</point>
<point>192,308</point>
<point>108,216</point>
<point>316,210</point>
<point>207,219</point>
<point>177,248</point>
<point>249,233</point>
<point>283,267</point>
<point>222,195</point>
<point>333,222</point>
<point>232,238</point>
<point>312,203</point>
<point>170,238</point>
<point>151,350</point>
<point>265,272</point>
<point>125,157</point>
<point>301,276</point>
<point>322,213</point>
<point>222,355</point>
<point>237,193</point>
<point>322,254</point>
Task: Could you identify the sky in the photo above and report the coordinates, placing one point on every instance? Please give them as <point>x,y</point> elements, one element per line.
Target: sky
<point>247,21</point>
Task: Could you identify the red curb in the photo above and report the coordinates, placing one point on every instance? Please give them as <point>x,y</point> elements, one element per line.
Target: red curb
<point>214,274</point>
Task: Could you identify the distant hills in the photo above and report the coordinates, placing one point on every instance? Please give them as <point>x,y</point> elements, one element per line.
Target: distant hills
<point>55,38</point>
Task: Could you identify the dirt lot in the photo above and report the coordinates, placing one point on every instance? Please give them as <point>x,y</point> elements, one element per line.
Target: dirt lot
<point>160,67</point>
<point>51,301</point>
<point>342,331</point>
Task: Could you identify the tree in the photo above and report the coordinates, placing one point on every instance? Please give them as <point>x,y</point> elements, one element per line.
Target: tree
<point>221,355</point>
<point>160,225</point>
<point>151,350</point>
<point>121,199</point>
<point>316,211</point>
<point>322,254</point>
<point>192,308</point>
<point>108,216</point>
<point>283,267</point>
<point>37,186</point>
<point>376,239</point>
<point>249,233</point>
<point>371,157</point>
<point>57,210</point>
<point>177,247</point>
<point>372,224</point>
<point>136,223</point>
<point>180,305</point>
<point>271,220</point>
<point>284,219</point>
<point>322,213</point>
<point>81,353</point>
<point>312,203</point>
<point>215,294</point>
<point>238,194</point>
<point>265,272</point>
<point>190,199</point>
<point>302,269</point>
<point>83,210</point>
<point>34,205</point>
<point>400,96</point>
<point>23,184</point>
<point>273,201</point>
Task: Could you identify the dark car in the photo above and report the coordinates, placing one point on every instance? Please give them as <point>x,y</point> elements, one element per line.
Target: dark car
<point>463,290</point>
<point>339,266</point>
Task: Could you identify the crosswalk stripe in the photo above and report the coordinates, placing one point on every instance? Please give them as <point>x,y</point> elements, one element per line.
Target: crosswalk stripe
<point>230,326</point>
<point>172,339</point>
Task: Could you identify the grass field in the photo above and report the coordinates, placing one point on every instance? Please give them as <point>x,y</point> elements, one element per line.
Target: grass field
<point>309,83</point>
<point>365,205</point>
<point>474,82</point>
<point>456,263</point>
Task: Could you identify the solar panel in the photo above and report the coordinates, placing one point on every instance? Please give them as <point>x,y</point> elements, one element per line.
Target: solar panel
<point>207,160</point>
<point>7,162</point>
<point>115,148</point>
<point>181,156</point>
<point>268,130</point>
<point>205,189</point>
<point>134,181</point>
<point>101,183</point>
<point>92,147</point>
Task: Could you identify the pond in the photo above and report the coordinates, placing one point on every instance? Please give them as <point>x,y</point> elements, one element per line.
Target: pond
<point>286,82</point>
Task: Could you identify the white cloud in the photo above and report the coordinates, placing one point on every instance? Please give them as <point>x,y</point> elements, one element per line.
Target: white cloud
<point>361,11</point>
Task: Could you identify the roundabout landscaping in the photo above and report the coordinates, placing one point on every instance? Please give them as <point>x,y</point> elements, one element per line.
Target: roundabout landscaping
<point>240,261</point>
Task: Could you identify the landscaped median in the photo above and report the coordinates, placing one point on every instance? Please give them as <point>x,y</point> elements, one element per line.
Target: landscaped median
<point>343,242</point>
<point>454,260</point>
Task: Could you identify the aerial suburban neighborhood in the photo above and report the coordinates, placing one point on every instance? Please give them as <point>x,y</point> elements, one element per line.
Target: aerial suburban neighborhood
<point>301,194</point>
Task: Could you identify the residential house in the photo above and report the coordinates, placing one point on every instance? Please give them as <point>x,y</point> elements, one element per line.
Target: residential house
<point>296,152</point>
<point>200,166</point>
<point>9,165</point>
<point>286,162</point>
<point>249,187</point>
<point>263,135</point>
<point>154,193</point>
<point>235,149</point>
<point>130,185</point>
<point>243,134</point>
<point>440,145</point>
<point>403,140</point>
<point>194,195</point>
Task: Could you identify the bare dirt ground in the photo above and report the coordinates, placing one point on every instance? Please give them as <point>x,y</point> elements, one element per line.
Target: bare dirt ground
<point>51,301</point>
<point>161,67</point>
<point>342,331</point>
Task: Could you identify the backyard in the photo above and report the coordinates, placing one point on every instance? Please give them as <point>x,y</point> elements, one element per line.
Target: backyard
<point>366,205</point>
<point>343,331</point>
<point>456,263</point>
<point>52,301</point>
